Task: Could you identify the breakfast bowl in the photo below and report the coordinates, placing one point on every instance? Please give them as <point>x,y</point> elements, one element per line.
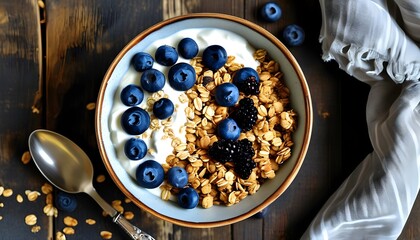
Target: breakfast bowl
<point>223,191</point>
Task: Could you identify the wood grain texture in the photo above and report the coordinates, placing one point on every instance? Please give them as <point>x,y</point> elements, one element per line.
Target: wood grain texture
<point>172,8</point>
<point>20,71</point>
<point>83,38</point>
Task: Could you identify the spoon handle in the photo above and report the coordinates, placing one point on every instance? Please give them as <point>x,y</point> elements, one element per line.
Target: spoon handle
<point>132,230</point>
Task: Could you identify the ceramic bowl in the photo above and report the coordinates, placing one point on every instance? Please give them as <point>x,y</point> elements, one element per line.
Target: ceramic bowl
<point>217,215</point>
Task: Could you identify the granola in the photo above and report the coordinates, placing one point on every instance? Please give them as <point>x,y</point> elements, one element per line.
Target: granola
<point>217,183</point>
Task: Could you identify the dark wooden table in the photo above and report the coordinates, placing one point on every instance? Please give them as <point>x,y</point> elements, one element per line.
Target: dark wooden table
<point>53,56</point>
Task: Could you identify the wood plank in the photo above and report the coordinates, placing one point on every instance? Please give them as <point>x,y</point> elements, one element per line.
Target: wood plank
<point>292,212</point>
<point>251,228</point>
<point>83,37</point>
<point>181,233</point>
<point>172,8</point>
<point>20,68</point>
<point>289,215</point>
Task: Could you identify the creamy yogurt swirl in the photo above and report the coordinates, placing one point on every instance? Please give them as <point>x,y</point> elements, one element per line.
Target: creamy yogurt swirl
<point>159,146</point>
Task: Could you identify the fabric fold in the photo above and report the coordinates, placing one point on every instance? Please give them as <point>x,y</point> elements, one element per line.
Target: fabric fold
<point>362,36</point>
<point>374,202</point>
<point>365,39</point>
<point>410,12</point>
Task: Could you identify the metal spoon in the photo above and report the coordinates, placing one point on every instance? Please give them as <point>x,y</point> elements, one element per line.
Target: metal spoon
<point>68,168</point>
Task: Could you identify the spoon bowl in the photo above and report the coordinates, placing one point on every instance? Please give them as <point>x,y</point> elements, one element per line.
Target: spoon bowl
<point>60,160</point>
<point>67,167</point>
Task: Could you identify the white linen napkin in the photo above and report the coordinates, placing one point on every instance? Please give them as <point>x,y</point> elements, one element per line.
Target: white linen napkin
<point>410,11</point>
<point>363,37</point>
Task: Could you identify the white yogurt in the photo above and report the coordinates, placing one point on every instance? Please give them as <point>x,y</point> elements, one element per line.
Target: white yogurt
<point>160,148</point>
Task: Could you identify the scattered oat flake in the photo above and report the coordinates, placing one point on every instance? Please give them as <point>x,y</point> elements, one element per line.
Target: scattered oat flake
<point>35,229</point>
<point>26,157</point>
<point>325,115</point>
<point>100,178</point>
<point>128,215</point>
<point>35,110</point>
<point>49,210</point>
<point>46,188</point>
<point>32,195</point>
<point>30,219</point>
<point>90,221</point>
<point>60,236</point>
<point>91,106</point>
<point>104,213</point>
<point>70,221</point>
<point>49,198</point>
<point>19,198</point>
<point>106,235</point>
<point>117,205</point>
<point>7,192</point>
<point>68,230</point>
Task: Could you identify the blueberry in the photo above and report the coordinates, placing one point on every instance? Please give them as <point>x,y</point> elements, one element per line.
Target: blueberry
<point>187,48</point>
<point>214,57</point>
<point>270,12</point>
<point>228,129</point>
<point>226,94</point>
<point>181,76</point>
<point>135,148</point>
<point>188,198</point>
<point>142,61</point>
<point>293,35</point>
<point>177,177</point>
<point>65,201</point>
<point>163,108</point>
<point>150,174</point>
<point>131,95</point>
<point>135,121</point>
<point>244,74</point>
<point>152,80</point>
<point>166,55</point>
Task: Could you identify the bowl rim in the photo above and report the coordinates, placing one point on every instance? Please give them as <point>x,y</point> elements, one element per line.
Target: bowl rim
<point>308,115</point>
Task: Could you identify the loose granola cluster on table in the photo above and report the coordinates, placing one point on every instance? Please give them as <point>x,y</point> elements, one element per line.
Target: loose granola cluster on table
<point>271,136</point>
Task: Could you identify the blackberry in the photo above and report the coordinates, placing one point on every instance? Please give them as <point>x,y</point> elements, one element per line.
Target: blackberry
<point>245,143</point>
<point>249,87</point>
<point>224,150</point>
<point>246,151</point>
<point>246,114</point>
<point>243,162</point>
<point>244,168</point>
<point>239,152</point>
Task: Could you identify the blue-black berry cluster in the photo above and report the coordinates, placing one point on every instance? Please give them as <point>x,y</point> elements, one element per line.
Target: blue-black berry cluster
<point>224,150</point>
<point>247,80</point>
<point>250,86</point>
<point>239,152</point>
<point>245,114</point>
<point>242,118</point>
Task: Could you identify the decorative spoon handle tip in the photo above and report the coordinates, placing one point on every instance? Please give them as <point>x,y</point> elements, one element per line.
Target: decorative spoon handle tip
<point>132,230</point>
